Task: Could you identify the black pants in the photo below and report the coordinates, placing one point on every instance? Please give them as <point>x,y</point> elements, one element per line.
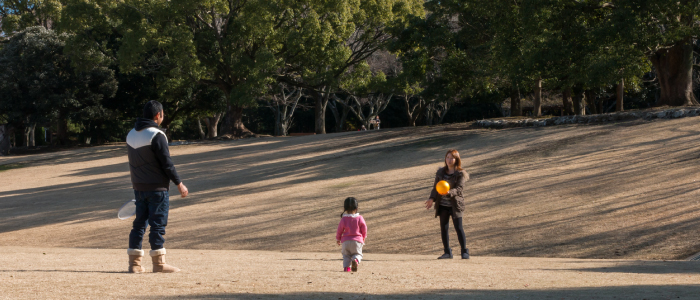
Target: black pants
<point>445,214</point>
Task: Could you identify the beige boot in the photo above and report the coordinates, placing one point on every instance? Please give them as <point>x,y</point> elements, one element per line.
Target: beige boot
<point>135,256</point>
<point>159,265</point>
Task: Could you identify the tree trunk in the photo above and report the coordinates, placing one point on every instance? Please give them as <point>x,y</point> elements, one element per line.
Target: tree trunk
<point>566,101</point>
<point>278,121</point>
<point>213,125</point>
<point>413,113</point>
<point>32,135</point>
<point>537,109</point>
<point>339,115</point>
<point>515,109</point>
<point>336,115</point>
<point>202,135</point>
<point>442,113</point>
<point>239,129</point>
<point>28,135</point>
<point>62,130</point>
<point>343,117</point>
<point>674,68</point>
<point>279,112</point>
<point>320,109</point>
<point>283,119</point>
<point>367,124</point>
<point>233,122</point>
<point>227,124</point>
<point>4,140</point>
<point>619,105</point>
<point>25,136</point>
<point>428,112</point>
<point>591,101</point>
<point>284,126</point>
<point>409,111</point>
<point>579,104</point>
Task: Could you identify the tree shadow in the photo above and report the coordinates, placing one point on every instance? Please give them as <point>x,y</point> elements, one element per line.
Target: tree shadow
<point>605,198</point>
<point>609,292</point>
<point>643,267</point>
<point>63,271</point>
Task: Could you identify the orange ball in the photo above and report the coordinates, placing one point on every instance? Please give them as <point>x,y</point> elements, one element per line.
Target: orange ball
<point>442,187</point>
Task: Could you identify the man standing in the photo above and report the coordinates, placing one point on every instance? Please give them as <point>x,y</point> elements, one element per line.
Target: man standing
<point>151,172</point>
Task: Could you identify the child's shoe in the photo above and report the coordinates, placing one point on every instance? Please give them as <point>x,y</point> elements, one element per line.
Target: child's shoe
<point>354,265</point>
<point>347,269</point>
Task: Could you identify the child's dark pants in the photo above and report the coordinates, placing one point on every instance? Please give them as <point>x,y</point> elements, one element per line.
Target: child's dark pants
<point>445,214</point>
<point>151,207</point>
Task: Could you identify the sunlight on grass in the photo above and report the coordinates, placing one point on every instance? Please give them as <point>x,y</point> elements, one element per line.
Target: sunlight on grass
<point>11,166</point>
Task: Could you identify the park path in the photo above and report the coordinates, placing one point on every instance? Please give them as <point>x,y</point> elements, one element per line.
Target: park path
<point>73,273</point>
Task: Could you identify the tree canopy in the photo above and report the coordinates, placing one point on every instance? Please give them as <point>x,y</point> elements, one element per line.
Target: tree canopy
<point>88,66</point>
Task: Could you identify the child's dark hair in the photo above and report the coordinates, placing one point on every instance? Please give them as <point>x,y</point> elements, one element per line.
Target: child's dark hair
<point>350,205</point>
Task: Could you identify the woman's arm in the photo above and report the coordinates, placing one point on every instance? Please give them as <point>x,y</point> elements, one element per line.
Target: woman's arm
<point>459,185</point>
<point>433,192</point>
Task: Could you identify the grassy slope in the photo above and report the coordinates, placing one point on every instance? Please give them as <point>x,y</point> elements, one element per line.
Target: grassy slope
<point>624,190</point>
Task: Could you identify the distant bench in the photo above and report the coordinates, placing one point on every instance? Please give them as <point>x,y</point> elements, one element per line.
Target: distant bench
<point>301,134</point>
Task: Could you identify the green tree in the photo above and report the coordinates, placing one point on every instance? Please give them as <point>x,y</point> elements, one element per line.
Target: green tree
<point>365,93</point>
<point>421,45</point>
<point>326,39</point>
<point>38,84</point>
<point>138,40</point>
<point>516,46</point>
<point>573,50</point>
<point>17,15</point>
<point>663,30</point>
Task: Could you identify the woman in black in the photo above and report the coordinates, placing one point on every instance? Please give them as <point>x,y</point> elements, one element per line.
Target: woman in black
<point>452,203</point>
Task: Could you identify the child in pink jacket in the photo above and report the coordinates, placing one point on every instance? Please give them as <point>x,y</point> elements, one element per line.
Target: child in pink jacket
<point>352,232</point>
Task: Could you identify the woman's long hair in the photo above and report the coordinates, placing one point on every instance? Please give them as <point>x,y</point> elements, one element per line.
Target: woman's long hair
<point>350,205</point>
<point>458,160</point>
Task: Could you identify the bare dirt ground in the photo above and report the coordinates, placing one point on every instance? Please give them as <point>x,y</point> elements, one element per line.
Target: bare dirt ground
<point>626,190</point>
<point>62,273</point>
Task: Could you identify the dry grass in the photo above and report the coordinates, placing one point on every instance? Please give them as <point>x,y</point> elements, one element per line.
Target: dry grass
<point>6,167</point>
<point>60,273</point>
<point>623,190</point>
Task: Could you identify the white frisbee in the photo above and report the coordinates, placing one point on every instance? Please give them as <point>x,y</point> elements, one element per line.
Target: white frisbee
<point>128,210</point>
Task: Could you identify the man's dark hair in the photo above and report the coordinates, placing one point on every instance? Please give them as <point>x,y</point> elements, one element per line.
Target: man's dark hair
<point>151,109</point>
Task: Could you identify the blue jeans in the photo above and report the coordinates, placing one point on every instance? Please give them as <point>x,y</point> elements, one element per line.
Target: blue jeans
<point>151,207</point>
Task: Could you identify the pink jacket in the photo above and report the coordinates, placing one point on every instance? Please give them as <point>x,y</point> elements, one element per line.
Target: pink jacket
<point>352,228</point>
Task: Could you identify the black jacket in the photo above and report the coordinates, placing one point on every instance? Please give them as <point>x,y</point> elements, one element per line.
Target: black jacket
<point>149,158</point>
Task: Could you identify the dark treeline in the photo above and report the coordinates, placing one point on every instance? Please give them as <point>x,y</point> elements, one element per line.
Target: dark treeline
<point>78,71</point>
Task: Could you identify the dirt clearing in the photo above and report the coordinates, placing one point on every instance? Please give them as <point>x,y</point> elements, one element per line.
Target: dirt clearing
<point>627,190</point>
<point>61,273</point>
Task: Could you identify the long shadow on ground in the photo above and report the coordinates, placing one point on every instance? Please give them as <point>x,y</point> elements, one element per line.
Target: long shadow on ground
<point>617,292</point>
<point>511,170</point>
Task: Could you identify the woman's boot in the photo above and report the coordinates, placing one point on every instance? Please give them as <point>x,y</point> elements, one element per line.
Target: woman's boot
<point>159,265</point>
<point>447,255</point>
<point>465,253</point>
<point>135,256</point>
